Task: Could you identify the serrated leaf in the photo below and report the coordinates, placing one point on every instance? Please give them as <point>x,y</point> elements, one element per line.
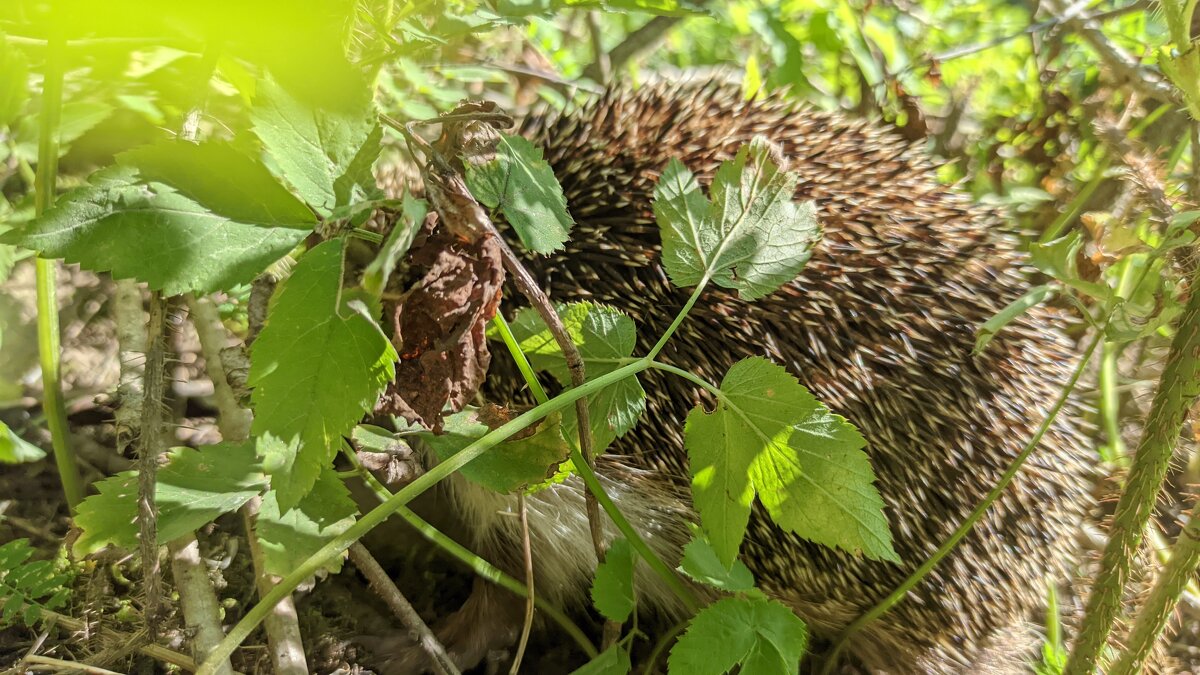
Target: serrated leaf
<point>700,562</point>
<point>611,661</point>
<point>325,153</point>
<point>522,185</point>
<point>751,237</point>
<point>14,81</point>
<point>769,436</point>
<point>317,367</point>
<point>605,337</point>
<point>510,466</point>
<point>78,117</point>
<point>612,587</point>
<point>193,488</point>
<point>762,635</point>
<point>154,233</point>
<point>24,586</point>
<point>16,450</point>
<point>290,537</point>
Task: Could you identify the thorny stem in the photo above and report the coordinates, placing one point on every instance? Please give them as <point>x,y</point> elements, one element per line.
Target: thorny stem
<point>963,530</point>
<point>1178,388</point>
<point>149,445</point>
<point>49,351</point>
<point>379,514</point>
<point>481,567</point>
<point>1160,605</point>
<point>379,580</point>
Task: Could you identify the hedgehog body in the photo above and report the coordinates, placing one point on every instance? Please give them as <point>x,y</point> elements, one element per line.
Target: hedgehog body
<point>880,326</point>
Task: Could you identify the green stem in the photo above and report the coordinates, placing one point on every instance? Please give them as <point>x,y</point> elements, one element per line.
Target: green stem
<point>381,513</point>
<point>1160,605</point>
<point>478,565</point>
<point>687,307</point>
<point>963,530</point>
<point>592,482</point>
<point>49,350</point>
<point>1178,388</point>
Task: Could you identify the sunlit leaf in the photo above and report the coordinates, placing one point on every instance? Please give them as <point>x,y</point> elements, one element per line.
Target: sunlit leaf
<point>763,636</point>
<point>522,185</point>
<point>290,537</point>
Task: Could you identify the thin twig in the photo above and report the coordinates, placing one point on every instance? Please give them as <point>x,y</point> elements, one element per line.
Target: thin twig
<point>197,600</point>
<point>154,651</point>
<point>603,62</point>
<point>379,580</point>
<point>69,666</point>
<point>527,554</point>
<point>149,446</point>
<point>636,43</point>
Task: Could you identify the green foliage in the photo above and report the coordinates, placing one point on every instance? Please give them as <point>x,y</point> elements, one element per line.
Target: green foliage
<point>612,661</point>
<point>319,364</point>
<point>326,153</point>
<point>769,436</point>
<point>404,231</point>
<point>16,450</point>
<point>515,464</point>
<point>751,237</point>
<point>612,587</point>
<point>193,488</point>
<point>288,538</point>
<point>29,588</point>
<point>700,562</point>
<point>14,82</point>
<point>763,636</point>
<point>134,225</point>
<point>604,337</point>
<point>522,185</point>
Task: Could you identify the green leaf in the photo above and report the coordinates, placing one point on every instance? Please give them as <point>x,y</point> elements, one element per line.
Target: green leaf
<point>700,562</point>
<point>1015,309</point>
<point>768,435</point>
<point>604,337</point>
<point>193,488</point>
<point>404,231</point>
<point>14,82</point>
<point>763,636</point>
<point>612,587</point>
<point>290,537</point>
<point>27,588</point>
<point>317,367</point>
<point>510,466</point>
<point>522,185</point>
<point>325,153</point>
<point>612,661</point>
<point>155,233</point>
<point>751,237</point>
<point>1058,259</point>
<point>16,450</point>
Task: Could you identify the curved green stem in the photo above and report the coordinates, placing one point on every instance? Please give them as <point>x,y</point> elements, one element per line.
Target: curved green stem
<point>687,307</point>
<point>379,514</point>
<point>478,565</point>
<point>592,481</point>
<point>49,351</point>
<point>963,530</point>
<point>1178,389</point>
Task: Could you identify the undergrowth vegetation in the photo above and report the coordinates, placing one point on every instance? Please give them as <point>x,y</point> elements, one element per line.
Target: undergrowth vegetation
<point>221,161</point>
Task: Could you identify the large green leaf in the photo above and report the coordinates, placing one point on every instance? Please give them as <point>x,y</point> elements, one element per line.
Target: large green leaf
<point>317,367</point>
<point>751,237</point>
<point>194,487</point>
<point>523,186</point>
<point>179,216</point>
<point>510,466</point>
<point>604,337</point>
<point>612,587</point>
<point>769,436</point>
<point>290,537</point>
<point>763,636</point>
<point>325,153</point>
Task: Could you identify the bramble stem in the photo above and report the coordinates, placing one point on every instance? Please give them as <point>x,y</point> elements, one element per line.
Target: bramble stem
<point>1178,388</point>
<point>963,530</point>
<point>49,350</point>
<point>381,513</point>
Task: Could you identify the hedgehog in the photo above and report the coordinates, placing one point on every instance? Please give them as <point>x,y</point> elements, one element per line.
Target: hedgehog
<point>880,326</point>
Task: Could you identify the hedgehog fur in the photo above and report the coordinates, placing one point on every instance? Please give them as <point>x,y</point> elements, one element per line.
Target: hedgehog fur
<point>880,326</point>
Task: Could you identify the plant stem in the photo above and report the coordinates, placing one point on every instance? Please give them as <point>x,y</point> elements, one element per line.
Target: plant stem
<point>510,341</point>
<point>1178,388</point>
<point>49,351</point>
<point>963,530</point>
<point>149,445</point>
<point>381,513</point>
<point>687,307</point>
<point>1160,605</point>
<point>481,567</point>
